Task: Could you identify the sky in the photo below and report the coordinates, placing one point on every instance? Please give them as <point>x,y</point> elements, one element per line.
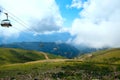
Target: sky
<point>93,23</point>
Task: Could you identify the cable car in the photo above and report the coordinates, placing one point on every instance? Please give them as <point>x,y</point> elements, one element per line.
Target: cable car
<point>6,22</point>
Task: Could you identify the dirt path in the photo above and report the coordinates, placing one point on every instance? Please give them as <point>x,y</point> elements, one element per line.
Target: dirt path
<point>46,57</point>
<point>48,60</point>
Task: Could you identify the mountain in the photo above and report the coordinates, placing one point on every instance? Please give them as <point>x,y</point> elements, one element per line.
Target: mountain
<point>60,69</point>
<point>10,55</point>
<point>108,56</point>
<point>62,49</point>
<point>57,48</point>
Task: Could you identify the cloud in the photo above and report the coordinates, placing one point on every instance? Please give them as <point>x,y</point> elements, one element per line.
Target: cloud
<point>98,25</point>
<point>31,15</point>
<point>46,24</point>
<point>75,4</point>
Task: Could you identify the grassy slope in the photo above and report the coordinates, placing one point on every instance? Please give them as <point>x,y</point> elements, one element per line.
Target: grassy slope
<point>9,55</point>
<point>62,67</point>
<point>34,68</point>
<point>110,55</point>
<point>65,69</point>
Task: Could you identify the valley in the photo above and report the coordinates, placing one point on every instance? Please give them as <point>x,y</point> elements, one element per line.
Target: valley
<point>60,68</point>
<point>59,40</point>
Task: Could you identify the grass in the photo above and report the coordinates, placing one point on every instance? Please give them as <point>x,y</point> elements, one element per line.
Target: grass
<point>52,56</point>
<point>10,56</point>
<point>91,67</point>
<point>25,68</point>
<point>110,55</point>
<point>54,69</point>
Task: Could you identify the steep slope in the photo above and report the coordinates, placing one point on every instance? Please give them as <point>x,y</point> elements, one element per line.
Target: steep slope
<point>62,49</point>
<point>9,55</point>
<point>109,56</point>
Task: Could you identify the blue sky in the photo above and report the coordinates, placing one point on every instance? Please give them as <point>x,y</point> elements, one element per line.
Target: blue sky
<point>68,13</point>
<point>94,23</point>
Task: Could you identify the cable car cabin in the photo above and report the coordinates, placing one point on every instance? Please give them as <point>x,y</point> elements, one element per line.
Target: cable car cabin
<point>6,23</point>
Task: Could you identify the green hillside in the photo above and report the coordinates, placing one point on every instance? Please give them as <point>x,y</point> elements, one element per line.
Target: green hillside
<point>109,56</point>
<point>59,69</point>
<point>10,55</point>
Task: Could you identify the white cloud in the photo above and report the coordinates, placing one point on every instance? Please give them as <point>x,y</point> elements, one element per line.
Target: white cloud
<point>37,15</point>
<point>47,24</point>
<point>99,25</point>
<point>75,4</point>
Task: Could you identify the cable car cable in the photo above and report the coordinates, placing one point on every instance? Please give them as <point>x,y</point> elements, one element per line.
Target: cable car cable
<point>20,20</point>
<point>21,23</point>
